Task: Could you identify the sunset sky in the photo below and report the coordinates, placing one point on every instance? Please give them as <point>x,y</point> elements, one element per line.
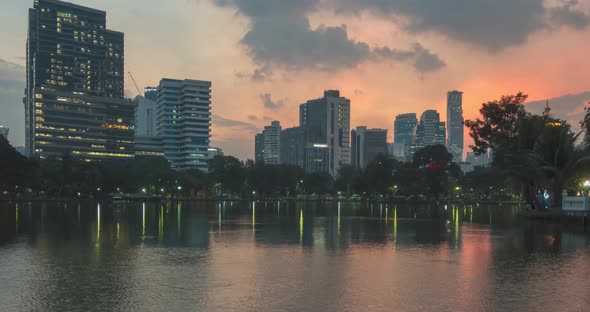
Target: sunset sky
<point>265,57</point>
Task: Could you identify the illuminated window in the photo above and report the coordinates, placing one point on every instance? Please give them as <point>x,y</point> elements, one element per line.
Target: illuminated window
<point>39,96</point>
<point>38,111</point>
<point>39,119</point>
<point>119,119</point>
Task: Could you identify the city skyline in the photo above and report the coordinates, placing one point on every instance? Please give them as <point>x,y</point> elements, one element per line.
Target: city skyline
<point>478,67</point>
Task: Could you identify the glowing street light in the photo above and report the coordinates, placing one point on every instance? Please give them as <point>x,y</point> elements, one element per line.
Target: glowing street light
<point>143,190</point>
<point>180,188</point>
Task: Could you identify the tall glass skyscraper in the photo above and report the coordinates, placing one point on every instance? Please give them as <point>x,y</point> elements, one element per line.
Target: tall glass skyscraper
<point>404,129</point>
<point>455,124</point>
<point>74,96</point>
<point>183,120</point>
<point>326,121</point>
<point>430,130</point>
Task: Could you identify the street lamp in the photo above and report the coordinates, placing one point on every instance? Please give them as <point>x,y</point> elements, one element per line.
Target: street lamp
<point>180,188</point>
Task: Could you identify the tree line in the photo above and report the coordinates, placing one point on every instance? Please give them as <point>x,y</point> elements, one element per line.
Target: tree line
<point>532,155</point>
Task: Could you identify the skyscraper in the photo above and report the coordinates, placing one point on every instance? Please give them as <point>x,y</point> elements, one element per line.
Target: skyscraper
<point>184,122</point>
<point>366,145</point>
<point>293,147</point>
<point>74,95</point>
<point>404,132</point>
<point>455,124</point>
<point>430,130</point>
<point>326,121</point>
<point>145,116</point>
<point>272,143</point>
<point>259,148</point>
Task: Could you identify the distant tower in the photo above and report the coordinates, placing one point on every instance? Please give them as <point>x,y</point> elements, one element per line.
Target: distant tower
<point>455,124</point>
<point>272,143</point>
<point>430,131</point>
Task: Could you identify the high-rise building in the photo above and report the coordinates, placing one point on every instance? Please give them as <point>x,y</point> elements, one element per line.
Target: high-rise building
<point>215,151</point>
<point>74,84</point>
<point>326,121</point>
<point>317,158</point>
<point>455,124</point>
<point>367,144</point>
<point>145,116</point>
<point>397,151</point>
<point>150,93</point>
<point>259,148</point>
<point>4,132</point>
<point>293,147</point>
<point>404,129</point>
<point>272,143</point>
<point>430,130</point>
<point>148,146</point>
<point>184,122</point>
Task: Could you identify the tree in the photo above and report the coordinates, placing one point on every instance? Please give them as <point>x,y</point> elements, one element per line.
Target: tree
<point>500,123</point>
<point>14,167</point>
<point>433,165</point>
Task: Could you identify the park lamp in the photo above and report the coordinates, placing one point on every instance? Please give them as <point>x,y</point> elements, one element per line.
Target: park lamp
<point>587,184</point>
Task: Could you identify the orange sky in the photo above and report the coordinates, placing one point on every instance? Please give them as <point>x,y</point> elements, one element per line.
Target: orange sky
<point>201,40</point>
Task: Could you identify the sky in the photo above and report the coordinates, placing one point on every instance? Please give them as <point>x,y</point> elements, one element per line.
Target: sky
<point>266,57</point>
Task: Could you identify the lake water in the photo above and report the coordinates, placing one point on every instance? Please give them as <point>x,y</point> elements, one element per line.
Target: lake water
<point>197,256</point>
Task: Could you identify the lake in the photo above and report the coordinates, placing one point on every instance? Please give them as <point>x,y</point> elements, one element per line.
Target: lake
<point>206,256</point>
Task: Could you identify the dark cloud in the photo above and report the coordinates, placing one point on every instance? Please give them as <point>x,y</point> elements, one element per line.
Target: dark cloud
<point>280,35</point>
<point>491,24</point>
<point>264,73</point>
<point>269,103</point>
<point>234,124</point>
<point>568,107</point>
<point>566,15</point>
<point>422,59</point>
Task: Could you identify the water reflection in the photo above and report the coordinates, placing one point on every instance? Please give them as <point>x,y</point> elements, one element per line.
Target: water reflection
<point>257,256</point>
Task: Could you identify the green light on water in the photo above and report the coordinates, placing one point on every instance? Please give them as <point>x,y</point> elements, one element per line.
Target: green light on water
<point>143,222</point>
<point>161,224</point>
<point>338,220</point>
<point>16,217</point>
<point>178,214</point>
<point>301,226</point>
<point>253,216</point>
<point>98,223</point>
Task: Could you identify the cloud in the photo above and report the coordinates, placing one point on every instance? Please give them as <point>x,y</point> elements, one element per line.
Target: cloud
<point>280,35</point>
<point>492,24</point>
<point>269,103</point>
<point>568,107</point>
<point>566,15</point>
<point>234,124</point>
<point>12,112</point>
<point>422,59</point>
<point>11,71</point>
<point>252,117</point>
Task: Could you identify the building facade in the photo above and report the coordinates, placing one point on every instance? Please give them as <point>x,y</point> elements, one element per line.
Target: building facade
<point>366,145</point>
<point>317,158</point>
<point>259,148</point>
<point>293,147</point>
<point>404,129</point>
<point>183,120</point>
<point>455,124</point>
<point>74,84</point>
<point>326,121</point>
<point>148,146</point>
<point>145,116</point>
<point>272,143</point>
<point>430,130</point>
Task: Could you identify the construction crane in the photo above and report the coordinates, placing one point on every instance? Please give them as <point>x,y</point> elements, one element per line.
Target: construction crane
<point>135,84</point>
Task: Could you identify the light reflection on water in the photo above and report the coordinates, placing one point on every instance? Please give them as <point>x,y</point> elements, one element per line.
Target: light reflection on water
<point>286,257</point>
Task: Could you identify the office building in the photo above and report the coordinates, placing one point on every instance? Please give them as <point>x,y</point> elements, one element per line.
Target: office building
<point>183,120</point>
<point>398,151</point>
<point>145,116</point>
<point>455,124</point>
<point>148,146</point>
<point>215,151</point>
<point>272,143</point>
<point>74,84</point>
<point>4,132</point>
<point>259,148</point>
<point>317,158</point>
<point>326,121</point>
<point>472,161</point>
<point>366,145</point>
<point>430,130</point>
<point>151,93</point>
<point>404,129</point>
<point>293,147</point>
